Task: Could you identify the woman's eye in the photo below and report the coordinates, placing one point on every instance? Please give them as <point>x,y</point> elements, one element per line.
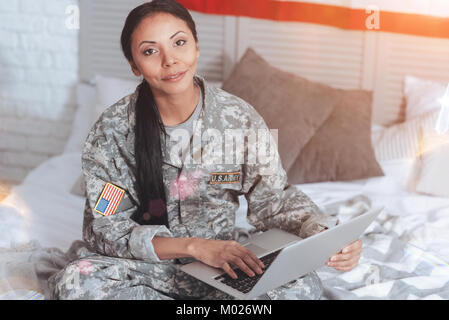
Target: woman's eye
<point>180,42</point>
<point>149,52</point>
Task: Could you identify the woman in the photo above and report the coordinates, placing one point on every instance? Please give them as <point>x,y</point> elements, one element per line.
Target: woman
<point>172,209</point>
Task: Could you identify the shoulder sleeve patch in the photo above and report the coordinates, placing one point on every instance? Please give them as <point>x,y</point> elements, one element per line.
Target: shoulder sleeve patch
<point>109,200</point>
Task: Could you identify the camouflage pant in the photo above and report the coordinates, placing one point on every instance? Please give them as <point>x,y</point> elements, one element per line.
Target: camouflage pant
<point>94,276</point>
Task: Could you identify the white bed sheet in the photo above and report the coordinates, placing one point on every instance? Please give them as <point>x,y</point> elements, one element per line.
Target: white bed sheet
<point>418,219</point>
<point>405,250</point>
<point>43,209</point>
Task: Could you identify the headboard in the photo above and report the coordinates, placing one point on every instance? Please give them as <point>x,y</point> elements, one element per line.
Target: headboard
<point>348,59</point>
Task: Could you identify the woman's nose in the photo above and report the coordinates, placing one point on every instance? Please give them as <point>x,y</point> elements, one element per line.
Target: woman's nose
<point>168,60</point>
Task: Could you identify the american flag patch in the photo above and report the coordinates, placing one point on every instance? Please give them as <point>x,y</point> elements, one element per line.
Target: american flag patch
<point>109,200</point>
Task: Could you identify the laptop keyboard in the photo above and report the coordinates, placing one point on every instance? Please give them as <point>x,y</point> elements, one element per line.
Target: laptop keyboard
<point>245,283</point>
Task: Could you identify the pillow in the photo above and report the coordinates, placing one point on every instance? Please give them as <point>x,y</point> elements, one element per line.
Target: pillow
<point>341,149</point>
<point>401,141</point>
<point>401,145</point>
<point>291,104</point>
<point>79,188</point>
<point>399,173</point>
<point>376,127</point>
<point>422,96</point>
<point>93,101</point>
<point>109,91</point>
<point>434,169</point>
<point>85,98</point>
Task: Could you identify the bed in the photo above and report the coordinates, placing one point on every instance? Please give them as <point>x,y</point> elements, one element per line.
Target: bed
<point>405,251</point>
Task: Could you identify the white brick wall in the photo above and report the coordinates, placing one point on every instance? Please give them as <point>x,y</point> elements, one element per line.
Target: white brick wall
<point>38,74</point>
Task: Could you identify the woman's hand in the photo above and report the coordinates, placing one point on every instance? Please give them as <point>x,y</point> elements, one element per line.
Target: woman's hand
<point>348,258</point>
<point>221,254</point>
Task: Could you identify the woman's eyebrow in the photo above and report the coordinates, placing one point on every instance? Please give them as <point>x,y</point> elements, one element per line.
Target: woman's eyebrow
<point>155,41</point>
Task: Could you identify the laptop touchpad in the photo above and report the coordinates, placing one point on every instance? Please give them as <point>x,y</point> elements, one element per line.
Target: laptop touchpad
<point>258,251</point>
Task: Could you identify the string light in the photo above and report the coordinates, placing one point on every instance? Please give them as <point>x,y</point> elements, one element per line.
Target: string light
<point>442,125</point>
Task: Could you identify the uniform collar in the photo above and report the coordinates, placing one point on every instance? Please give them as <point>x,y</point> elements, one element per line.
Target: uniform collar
<point>208,100</point>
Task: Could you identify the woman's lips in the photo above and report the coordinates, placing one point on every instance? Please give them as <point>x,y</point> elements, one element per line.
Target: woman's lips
<point>177,77</point>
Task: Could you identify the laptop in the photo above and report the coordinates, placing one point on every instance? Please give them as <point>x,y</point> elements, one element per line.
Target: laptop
<point>286,257</point>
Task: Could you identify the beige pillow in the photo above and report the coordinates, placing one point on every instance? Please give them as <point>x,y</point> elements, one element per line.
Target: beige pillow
<point>341,149</point>
<point>291,104</point>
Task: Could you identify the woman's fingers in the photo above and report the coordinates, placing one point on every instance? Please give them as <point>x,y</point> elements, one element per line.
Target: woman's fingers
<point>344,268</point>
<point>345,263</point>
<point>239,256</point>
<point>227,268</point>
<point>345,256</point>
<point>255,259</point>
<point>348,258</point>
<point>254,262</point>
<point>353,246</point>
<point>246,261</point>
<point>238,261</point>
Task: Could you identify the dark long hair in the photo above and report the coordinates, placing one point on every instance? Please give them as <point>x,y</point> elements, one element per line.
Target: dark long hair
<point>148,153</point>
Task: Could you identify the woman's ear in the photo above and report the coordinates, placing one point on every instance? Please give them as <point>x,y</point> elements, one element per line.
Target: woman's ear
<point>197,51</point>
<point>134,69</point>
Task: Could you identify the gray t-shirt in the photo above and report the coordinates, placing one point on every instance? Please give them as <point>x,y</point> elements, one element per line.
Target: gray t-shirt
<point>186,125</point>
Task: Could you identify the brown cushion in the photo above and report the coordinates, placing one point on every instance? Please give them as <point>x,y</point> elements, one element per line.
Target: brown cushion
<point>341,149</point>
<point>291,104</point>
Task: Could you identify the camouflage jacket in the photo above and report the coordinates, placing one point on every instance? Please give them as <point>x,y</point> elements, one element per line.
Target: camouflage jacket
<point>202,198</point>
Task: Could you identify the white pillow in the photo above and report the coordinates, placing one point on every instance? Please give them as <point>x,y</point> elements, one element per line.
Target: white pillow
<point>434,171</point>
<point>109,91</point>
<point>82,122</point>
<point>397,149</point>
<point>93,100</point>
<point>422,95</point>
<point>79,187</point>
<point>377,127</point>
<point>402,141</point>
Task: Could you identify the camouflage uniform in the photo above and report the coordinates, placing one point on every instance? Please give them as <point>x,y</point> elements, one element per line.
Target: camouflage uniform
<point>119,261</point>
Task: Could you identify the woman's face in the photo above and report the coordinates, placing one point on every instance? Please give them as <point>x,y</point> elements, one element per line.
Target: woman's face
<point>163,46</point>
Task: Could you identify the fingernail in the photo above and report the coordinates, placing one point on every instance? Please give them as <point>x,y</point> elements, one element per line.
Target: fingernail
<point>333,258</point>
